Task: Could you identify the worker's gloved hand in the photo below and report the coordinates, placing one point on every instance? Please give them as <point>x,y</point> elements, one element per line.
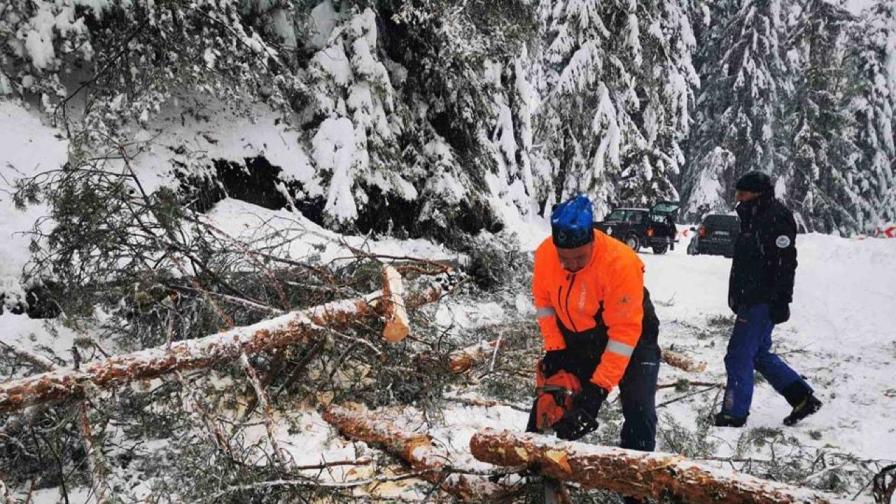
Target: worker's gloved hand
<point>779,312</point>
<point>582,418</point>
<point>554,361</point>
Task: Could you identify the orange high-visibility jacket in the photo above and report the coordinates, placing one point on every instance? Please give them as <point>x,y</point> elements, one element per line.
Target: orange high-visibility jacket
<point>613,279</point>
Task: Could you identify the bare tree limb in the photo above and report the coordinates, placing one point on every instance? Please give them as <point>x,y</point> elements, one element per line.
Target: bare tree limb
<point>281,456</point>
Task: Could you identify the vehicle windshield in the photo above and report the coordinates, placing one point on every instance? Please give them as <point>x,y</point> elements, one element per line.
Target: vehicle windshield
<point>726,222</point>
<point>616,215</point>
<point>665,207</point>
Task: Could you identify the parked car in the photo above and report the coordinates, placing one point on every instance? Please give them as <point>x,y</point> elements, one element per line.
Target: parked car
<point>643,227</point>
<point>715,235</point>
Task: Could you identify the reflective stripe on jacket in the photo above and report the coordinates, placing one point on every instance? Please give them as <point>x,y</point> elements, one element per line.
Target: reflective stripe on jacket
<point>609,289</point>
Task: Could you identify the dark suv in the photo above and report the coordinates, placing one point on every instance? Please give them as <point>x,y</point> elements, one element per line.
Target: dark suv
<point>642,227</point>
<point>715,235</point>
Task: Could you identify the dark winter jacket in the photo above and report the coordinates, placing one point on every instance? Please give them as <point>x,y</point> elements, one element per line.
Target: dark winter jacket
<point>764,254</point>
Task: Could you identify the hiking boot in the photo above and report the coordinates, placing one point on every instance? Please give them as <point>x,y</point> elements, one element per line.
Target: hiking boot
<point>726,420</point>
<point>806,407</point>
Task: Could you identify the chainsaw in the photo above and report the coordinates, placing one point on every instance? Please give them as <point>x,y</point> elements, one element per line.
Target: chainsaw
<point>554,397</point>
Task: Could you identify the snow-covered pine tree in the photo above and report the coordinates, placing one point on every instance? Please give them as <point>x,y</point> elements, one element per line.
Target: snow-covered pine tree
<point>873,54</point>
<point>429,96</point>
<point>618,84</point>
<point>98,66</point>
<point>823,163</point>
<point>739,105</point>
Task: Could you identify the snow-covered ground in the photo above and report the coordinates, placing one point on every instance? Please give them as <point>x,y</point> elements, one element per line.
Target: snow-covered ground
<point>841,337</point>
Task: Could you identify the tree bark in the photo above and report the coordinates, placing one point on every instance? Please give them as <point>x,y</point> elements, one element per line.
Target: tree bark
<point>418,451</point>
<point>289,329</point>
<point>632,473</point>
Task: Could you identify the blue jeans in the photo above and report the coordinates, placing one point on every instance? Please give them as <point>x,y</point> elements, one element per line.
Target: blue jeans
<point>749,349</point>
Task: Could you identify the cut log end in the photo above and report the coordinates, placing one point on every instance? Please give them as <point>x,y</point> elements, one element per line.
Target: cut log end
<point>683,362</point>
<point>398,324</point>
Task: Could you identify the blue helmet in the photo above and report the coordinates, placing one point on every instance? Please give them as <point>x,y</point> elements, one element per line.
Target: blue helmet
<point>571,223</point>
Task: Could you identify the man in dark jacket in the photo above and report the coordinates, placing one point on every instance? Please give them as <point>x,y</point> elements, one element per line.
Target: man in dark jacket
<point>760,290</point>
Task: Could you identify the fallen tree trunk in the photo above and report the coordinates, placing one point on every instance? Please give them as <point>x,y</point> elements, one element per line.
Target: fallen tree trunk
<point>418,451</point>
<point>633,473</point>
<point>289,329</point>
<point>683,362</point>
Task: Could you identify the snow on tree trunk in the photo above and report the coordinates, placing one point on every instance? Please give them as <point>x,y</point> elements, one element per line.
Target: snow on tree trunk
<point>289,329</point>
<point>417,450</point>
<point>634,473</point>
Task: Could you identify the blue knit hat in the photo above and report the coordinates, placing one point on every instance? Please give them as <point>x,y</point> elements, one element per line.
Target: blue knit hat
<point>571,223</point>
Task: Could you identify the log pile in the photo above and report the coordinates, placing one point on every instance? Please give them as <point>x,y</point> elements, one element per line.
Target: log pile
<point>633,473</point>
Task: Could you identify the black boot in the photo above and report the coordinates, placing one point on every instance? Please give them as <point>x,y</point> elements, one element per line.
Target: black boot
<point>806,407</point>
<point>726,420</point>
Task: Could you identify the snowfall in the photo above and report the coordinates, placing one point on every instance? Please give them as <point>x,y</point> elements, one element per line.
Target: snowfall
<point>841,335</point>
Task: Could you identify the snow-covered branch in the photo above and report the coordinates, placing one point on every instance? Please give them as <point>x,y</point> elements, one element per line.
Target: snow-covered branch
<point>289,329</point>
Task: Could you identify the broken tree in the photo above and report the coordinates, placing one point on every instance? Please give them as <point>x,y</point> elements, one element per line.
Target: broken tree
<point>633,473</point>
<point>289,329</point>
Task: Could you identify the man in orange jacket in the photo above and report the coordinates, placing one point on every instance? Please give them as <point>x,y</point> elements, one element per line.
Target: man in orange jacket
<point>598,323</point>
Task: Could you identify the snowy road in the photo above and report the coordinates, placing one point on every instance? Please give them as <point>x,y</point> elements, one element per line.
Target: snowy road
<point>842,337</point>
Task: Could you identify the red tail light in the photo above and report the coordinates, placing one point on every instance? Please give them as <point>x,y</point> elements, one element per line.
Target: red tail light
<point>649,231</point>
<point>702,231</point>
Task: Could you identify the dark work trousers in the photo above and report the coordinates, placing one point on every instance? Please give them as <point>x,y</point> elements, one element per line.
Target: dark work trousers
<point>749,349</point>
